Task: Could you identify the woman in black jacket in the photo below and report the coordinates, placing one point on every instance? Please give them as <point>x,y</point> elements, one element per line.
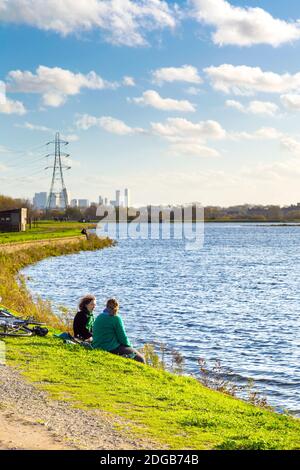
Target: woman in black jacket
<point>84,319</point>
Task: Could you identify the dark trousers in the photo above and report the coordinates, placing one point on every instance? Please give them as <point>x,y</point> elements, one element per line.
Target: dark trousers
<point>131,353</point>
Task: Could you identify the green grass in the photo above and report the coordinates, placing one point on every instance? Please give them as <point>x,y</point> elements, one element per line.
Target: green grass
<point>45,229</point>
<point>177,411</point>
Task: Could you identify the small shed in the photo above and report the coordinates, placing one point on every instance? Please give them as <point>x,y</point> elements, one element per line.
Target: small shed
<point>13,220</point>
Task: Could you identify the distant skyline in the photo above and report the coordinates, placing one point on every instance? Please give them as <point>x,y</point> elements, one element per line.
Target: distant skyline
<point>195,100</point>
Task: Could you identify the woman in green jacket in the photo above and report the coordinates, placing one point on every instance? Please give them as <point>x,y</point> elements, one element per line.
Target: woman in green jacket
<point>109,333</point>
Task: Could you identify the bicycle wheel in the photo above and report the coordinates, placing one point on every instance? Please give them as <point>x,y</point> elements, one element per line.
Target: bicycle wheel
<point>18,331</point>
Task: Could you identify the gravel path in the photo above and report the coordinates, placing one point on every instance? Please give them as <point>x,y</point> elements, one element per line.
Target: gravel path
<point>30,419</point>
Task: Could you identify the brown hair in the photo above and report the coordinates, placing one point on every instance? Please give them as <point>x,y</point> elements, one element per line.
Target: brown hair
<point>112,305</point>
<point>85,301</point>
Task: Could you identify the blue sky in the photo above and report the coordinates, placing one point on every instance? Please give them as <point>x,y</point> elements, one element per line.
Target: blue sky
<point>209,110</point>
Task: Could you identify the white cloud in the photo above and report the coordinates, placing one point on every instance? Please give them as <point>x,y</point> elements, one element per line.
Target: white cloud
<point>268,133</point>
<point>153,99</point>
<point>128,81</point>
<point>186,73</point>
<point>243,80</point>
<point>243,26</point>
<point>123,22</point>
<point>179,127</point>
<point>108,123</point>
<point>39,128</point>
<point>4,149</point>
<point>188,138</point>
<point>34,127</point>
<point>54,84</point>
<point>291,101</point>
<point>235,105</point>
<point>254,107</point>
<point>8,106</point>
<point>192,91</point>
<point>290,144</point>
<point>286,141</point>
<point>193,148</point>
<point>70,137</point>
<point>263,133</point>
<point>263,107</point>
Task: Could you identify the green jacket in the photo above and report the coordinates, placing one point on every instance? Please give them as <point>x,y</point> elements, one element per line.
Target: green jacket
<point>109,332</point>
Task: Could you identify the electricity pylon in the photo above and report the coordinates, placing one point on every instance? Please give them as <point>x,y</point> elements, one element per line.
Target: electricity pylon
<point>58,190</point>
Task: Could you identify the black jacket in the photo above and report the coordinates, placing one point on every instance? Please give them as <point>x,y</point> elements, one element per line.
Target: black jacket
<point>83,324</point>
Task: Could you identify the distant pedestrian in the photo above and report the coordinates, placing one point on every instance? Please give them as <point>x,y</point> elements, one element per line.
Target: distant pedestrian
<point>84,232</point>
<point>109,333</point>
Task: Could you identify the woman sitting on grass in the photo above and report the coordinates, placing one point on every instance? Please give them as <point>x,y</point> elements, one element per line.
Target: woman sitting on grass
<point>109,333</point>
<point>84,319</point>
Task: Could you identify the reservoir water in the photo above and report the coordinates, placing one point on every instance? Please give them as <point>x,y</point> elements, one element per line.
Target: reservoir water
<point>236,300</point>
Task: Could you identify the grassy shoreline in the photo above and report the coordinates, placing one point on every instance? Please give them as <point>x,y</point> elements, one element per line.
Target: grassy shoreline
<point>45,230</point>
<point>177,411</point>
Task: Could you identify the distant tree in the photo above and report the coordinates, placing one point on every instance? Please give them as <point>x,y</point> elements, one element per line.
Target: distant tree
<point>73,213</point>
<point>91,212</point>
<point>274,213</point>
<point>7,203</point>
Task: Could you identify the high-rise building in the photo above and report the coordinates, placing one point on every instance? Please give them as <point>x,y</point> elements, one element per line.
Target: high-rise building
<point>127,197</point>
<point>83,203</point>
<point>74,203</point>
<point>40,200</point>
<point>101,202</point>
<point>118,198</point>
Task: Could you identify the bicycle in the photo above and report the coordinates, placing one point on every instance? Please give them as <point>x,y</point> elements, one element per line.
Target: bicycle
<point>11,325</point>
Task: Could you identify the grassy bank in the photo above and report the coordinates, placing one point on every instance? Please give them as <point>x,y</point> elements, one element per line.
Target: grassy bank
<point>176,411</point>
<point>45,229</point>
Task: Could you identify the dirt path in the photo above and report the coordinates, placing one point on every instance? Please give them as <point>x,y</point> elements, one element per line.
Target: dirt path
<point>12,247</point>
<point>30,420</point>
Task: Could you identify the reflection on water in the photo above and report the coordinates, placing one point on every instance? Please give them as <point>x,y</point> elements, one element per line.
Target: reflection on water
<point>236,300</point>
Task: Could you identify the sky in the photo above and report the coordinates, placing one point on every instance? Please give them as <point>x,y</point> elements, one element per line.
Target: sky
<point>194,100</point>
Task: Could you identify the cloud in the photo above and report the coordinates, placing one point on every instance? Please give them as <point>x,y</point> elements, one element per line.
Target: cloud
<point>186,73</point>
<point>254,107</point>
<point>178,127</point>
<point>34,127</point>
<point>192,91</point>
<point>244,80</point>
<point>8,106</point>
<point>123,22</point>
<point>243,26</point>
<point>108,123</point>
<point>291,102</point>
<point>153,99</point>
<point>54,84</point>
<point>188,138</point>
<point>193,148</point>
<point>39,128</point>
<point>263,133</point>
<point>70,137</point>
<point>290,144</point>
<point>273,172</point>
<point>286,141</point>
<point>128,81</point>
